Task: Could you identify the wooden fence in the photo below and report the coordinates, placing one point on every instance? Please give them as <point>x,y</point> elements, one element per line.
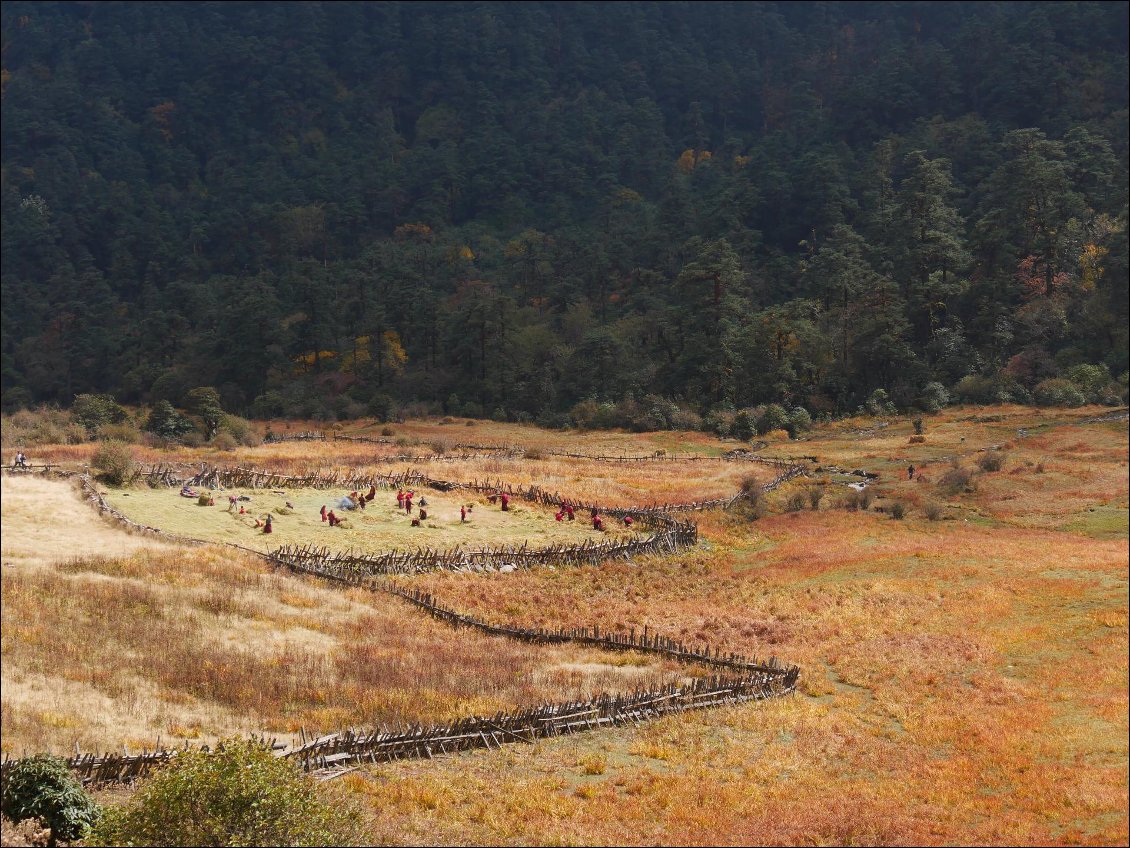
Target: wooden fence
<point>755,681</point>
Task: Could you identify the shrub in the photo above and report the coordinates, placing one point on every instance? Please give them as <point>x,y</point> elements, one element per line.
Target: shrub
<point>204,402</point>
<point>685,419</point>
<point>956,480</point>
<point>192,439</point>
<point>917,440</point>
<point>95,411</point>
<point>879,403</point>
<point>1058,393</point>
<point>240,429</point>
<point>718,421</point>
<point>799,421</point>
<point>114,462</point>
<point>991,461</point>
<point>934,397</point>
<point>898,510</point>
<point>120,433</point>
<point>534,453</point>
<point>932,510</point>
<point>773,418</point>
<point>1092,380</point>
<point>240,794</point>
<point>859,500</point>
<point>267,405</point>
<point>166,422</point>
<point>796,501</point>
<point>918,428</point>
<point>387,431</point>
<point>815,496</point>
<point>42,787</point>
<point>741,428</point>
<point>224,442</point>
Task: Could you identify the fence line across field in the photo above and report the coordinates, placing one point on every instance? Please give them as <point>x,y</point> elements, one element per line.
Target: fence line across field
<point>754,680</point>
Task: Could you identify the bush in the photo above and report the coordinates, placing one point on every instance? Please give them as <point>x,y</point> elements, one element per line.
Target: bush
<point>742,426</point>
<point>956,480</point>
<point>685,419</point>
<point>1058,393</point>
<point>1092,380</point>
<point>932,510</point>
<point>42,787</point>
<point>796,502</point>
<point>879,403</point>
<point>773,418</point>
<point>918,427</point>
<point>991,461</point>
<point>166,422</point>
<point>934,397</point>
<point>719,421</point>
<point>240,429</point>
<point>799,421</point>
<point>241,794</point>
<point>815,496</point>
<point>224,442</point>
<point>898,510</point>
<point>95,411</point>
<point>120,433</point>
<point>387,431</point>
<point>114,462</point>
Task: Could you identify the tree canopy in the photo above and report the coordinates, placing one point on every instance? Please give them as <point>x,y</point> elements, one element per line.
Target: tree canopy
<point>332,209</point>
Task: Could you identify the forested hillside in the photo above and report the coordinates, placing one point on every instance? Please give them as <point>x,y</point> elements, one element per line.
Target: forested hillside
<point>534,210</point>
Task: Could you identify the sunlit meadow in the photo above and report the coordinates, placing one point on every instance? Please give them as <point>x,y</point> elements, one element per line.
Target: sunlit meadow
<point>964,668</point>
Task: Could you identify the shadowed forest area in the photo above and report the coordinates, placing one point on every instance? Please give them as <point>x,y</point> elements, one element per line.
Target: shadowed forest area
<point>604,214</point>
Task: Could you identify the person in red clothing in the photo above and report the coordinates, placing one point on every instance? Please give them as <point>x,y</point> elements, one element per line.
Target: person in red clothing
<point>408,503</point>
<point>323,513</point>
<point>505,498</point>
<point>400,499</point>
<point>627,521</point>
<point>372,493</point>
<point>462,515</point>
<point>559,516</point>
<point>333,519</point>
<point>569,512</point>
<point>267,528</point>
<point>597,522</point>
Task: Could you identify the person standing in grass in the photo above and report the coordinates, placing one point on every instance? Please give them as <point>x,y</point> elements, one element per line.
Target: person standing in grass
<point>462,515</point>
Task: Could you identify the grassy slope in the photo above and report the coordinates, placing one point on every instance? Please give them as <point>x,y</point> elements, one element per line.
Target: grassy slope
<point>963,680</point>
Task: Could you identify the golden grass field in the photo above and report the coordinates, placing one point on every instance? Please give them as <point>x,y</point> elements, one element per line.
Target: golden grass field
<point>964,680</point>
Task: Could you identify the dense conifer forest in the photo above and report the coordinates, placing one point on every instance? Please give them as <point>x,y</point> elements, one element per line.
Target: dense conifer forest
<point>600,213</point>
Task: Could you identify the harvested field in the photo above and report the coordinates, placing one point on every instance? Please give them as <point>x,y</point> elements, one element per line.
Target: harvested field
<point>964,677</point>
<point>381,526</point>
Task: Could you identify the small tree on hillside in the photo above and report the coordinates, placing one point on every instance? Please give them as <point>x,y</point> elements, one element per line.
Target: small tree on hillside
<point>166,422</point>
<point>204,402</point>
<point>96,411</point>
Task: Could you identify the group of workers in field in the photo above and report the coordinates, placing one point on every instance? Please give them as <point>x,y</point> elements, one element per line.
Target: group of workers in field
<point>405,499</point>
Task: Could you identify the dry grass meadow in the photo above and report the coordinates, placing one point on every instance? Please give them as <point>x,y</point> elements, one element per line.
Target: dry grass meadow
<point>964,669</point>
